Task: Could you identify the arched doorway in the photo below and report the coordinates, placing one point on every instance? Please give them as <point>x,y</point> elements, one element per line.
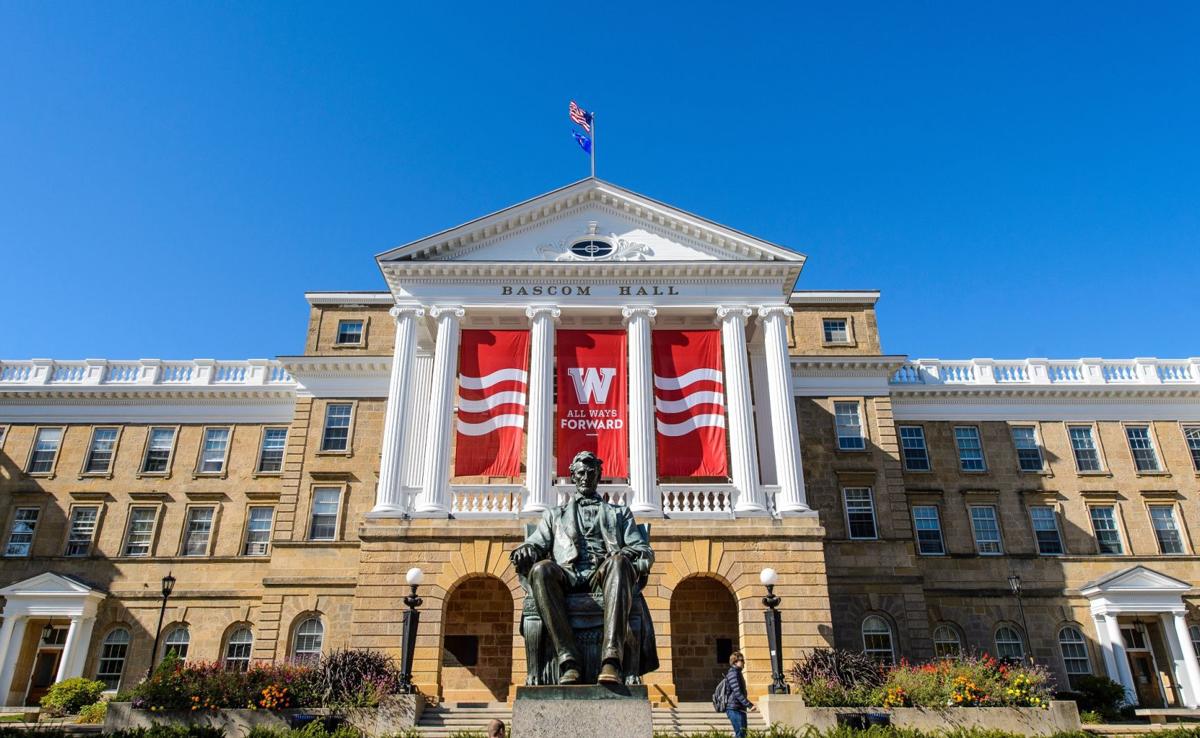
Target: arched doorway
<point>704,631</point>
<point>477,641</point>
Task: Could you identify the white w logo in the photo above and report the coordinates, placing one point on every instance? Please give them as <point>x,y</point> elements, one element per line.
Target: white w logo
<point>592,382</point>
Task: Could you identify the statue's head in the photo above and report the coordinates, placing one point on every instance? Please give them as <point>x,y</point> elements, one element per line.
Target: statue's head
<point>585,472</point>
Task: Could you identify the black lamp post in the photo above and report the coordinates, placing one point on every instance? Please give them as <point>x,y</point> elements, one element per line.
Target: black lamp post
<point>1014,583</point>
<point>168,585</point>
<point>412,619</point>
<point>774,631</point>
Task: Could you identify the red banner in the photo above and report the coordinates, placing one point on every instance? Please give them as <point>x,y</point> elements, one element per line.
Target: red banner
<point>689,404</point>
<point>493,377</point>
<point>593,409</point>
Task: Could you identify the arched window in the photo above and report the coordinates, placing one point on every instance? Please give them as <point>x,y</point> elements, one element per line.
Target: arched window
<point>1009,646</point>
<point>306,646</point>
<point>1074,651</point>
<point>946,643</point>
<point>113,651</point>
<point>237,649</point>
<point>177,642</point>
<point>1195,631</point>
<point>877,639</point>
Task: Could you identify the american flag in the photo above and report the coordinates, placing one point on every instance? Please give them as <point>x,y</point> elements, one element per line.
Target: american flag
<point>581,117</point>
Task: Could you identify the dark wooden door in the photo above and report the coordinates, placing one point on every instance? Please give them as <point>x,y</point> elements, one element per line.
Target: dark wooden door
<point>45,668</point>
<point>1145,679</point>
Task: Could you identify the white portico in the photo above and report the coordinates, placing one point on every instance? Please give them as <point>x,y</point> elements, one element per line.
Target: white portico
<point>591,256</point>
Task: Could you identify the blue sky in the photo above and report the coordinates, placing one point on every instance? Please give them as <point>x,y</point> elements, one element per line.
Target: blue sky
<point>1019,179</point>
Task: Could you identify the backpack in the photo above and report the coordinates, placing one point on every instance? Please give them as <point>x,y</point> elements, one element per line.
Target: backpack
<point>720,696</point>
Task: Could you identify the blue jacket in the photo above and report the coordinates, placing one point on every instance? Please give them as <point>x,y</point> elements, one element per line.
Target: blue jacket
<point>736,685</point>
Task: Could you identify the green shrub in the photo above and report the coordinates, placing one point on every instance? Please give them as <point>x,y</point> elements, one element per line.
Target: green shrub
<point>1098,694</point>
<point>70,695</point>
<point>1090,717</point>
<point>94,713</point>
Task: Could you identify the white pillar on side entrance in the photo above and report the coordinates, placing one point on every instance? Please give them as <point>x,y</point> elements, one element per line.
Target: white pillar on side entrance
<point>70,646</point>
<point>785,430</point>
<point>434,498</point>
<point>743,451</point>
<point>1188,667</point>
<point>539,459</point>
<point>12,633</point>
<point>643,429</point>
<point>1116,661</point>
<point>389,494</point>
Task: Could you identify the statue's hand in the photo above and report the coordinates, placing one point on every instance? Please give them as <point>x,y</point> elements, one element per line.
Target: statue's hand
<point>523,558</point>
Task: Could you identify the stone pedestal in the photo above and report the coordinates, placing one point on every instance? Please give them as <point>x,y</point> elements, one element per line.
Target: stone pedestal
<point>584,711</point>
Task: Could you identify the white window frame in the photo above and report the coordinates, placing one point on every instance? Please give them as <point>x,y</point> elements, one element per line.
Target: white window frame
<point>870,500</point>
<point>924,448</point>
<point>847,328</point>
<point>200,457</point>
<point>1116,520</point>
<point>1076,639</point>
<point>876,651</point>
<point>954,638</point>
<point>309,654</point>
<point>860,438</point>
<point>362,332</point>
<point>1176,519</point>
<point>1033,525</point>
<point>1152,443</point>
<point>91,540</point>
<point>1194,632</point>
<point>238,662</point>
<point>337,518</point>
<point>189,510</point>
<point>103,657</point>
<point>33,450</point>
<point>173,633</point>
<point>1191,441</point>
<point>979,545</point>
<point>959,449</point>
<point>1019,640</point>
<point>937,517</point>
<point>32,533</point>
<point>85,471</point>
<point>1094,437</point>
<point>1037,446</point>
<point>166,472</point>
<point>129,520</point>
<point>262,447</point>
<point>246,542</point>
<point>321,446</point>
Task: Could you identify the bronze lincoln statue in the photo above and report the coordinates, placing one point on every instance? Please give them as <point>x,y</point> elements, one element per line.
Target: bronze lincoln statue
<point>584,567</point>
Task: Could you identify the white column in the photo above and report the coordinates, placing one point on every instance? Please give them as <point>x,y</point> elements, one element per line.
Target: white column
<point>1116,662</point>
<point>539,460</point>
<point>743,451</point>
<point>75,653</point>
<point>11,635</point>
<point>68,653</point>
<point>1188,671</point>
<point>785,431</point>
<point>643,429</point>
<point>389,494</point>
<point>434,498</point>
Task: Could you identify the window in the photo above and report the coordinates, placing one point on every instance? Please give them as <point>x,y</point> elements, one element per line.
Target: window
<point>100,452</point>
<point>929,530</point>
<point>139,536</point>
<point>1074,651</point>
<point>306,646</point>
<point>849,426</point>
<point>1165,529</point>
<point>1194,631</point>
<point>835,330</point>
<point>158,451</point>
<point>337,428</point>
<point>1045,530</point>
<point>1087,459</point>
<point>270,456</point>
<point>212,454</point>
<point>112,658</point>
<point>1192,435</point>
<point>1104,525</point>
<point>20,535</point>
<point>1009,646</point>
<point>912,446</point>
<point>350,332</point>
<point>986,529</point>
<point>1142,448</point>
<point>946,643</point>
<point>258,531</point>
<point>860,512</point>
<point>177,642</point>
<point>82,530</point>
<point>877,639</point>
<point>237,650</point>
<point>45,450</point>
<point>970,450</point>
<point>197,531</point>
<point>323,526</point>
<point>1029,453</point>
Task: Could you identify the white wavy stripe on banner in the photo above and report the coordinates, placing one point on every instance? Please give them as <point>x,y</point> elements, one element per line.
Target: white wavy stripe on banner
<point>691,424</point>
<point>500,375</point>
<point>695,375</point>
<point>688,402</point>
<point>491,424</point>
<point>490,402</point>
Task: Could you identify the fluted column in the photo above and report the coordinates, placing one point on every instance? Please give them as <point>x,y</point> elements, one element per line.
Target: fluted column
<point>539,460</point>
<point>743,451</point>
<point>389,494</point>
<point>643,431</point>
<point>785,433</point>
<point>434,498</point>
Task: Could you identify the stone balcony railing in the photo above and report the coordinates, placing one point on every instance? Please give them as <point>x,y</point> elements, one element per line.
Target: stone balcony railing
<point>1048,372</point>
<point>37,373</point>
<point>678,500</point>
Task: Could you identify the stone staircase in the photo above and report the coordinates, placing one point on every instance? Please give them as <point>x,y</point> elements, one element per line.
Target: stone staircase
<point>697,717</point>
<point>449,718</point>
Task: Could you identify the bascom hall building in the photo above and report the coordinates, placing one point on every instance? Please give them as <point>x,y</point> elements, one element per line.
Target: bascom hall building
<point>749,422</point>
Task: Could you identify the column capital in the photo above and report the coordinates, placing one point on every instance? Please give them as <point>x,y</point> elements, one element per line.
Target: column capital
<point>766,312</point>
<point>638,311</point>
<point>533,312</point>
<point>740,313</point>
<point>445,312</point>
<point>400,312</point>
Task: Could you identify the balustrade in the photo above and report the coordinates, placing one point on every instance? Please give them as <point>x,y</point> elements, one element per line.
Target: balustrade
<point>40,372</point>
<point>486,500</point>
<point>700,500</point>
<point>1043,372</point>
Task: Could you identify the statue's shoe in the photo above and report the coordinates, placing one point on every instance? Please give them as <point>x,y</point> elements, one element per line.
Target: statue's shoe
<point>609,674</point>
<point>570,676</point>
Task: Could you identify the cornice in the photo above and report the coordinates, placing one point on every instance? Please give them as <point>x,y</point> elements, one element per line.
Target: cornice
<point>848,365</point>
<point>834,297</point>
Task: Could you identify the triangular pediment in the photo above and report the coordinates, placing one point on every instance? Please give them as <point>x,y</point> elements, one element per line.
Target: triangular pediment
<point>621,225</point>
<point>1135,579</point>
<point>48,583</point>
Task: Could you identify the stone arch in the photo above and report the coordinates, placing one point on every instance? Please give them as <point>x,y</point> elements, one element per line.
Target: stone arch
<point>704,631</point>
<point>310,639</point>
<point>476,655</point>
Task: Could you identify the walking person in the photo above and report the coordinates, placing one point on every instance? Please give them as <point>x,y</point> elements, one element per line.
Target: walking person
<point>496,729</point>
<point>735,687</point>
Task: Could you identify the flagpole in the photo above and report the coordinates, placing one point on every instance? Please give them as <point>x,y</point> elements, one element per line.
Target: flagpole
<point>593,145</point>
